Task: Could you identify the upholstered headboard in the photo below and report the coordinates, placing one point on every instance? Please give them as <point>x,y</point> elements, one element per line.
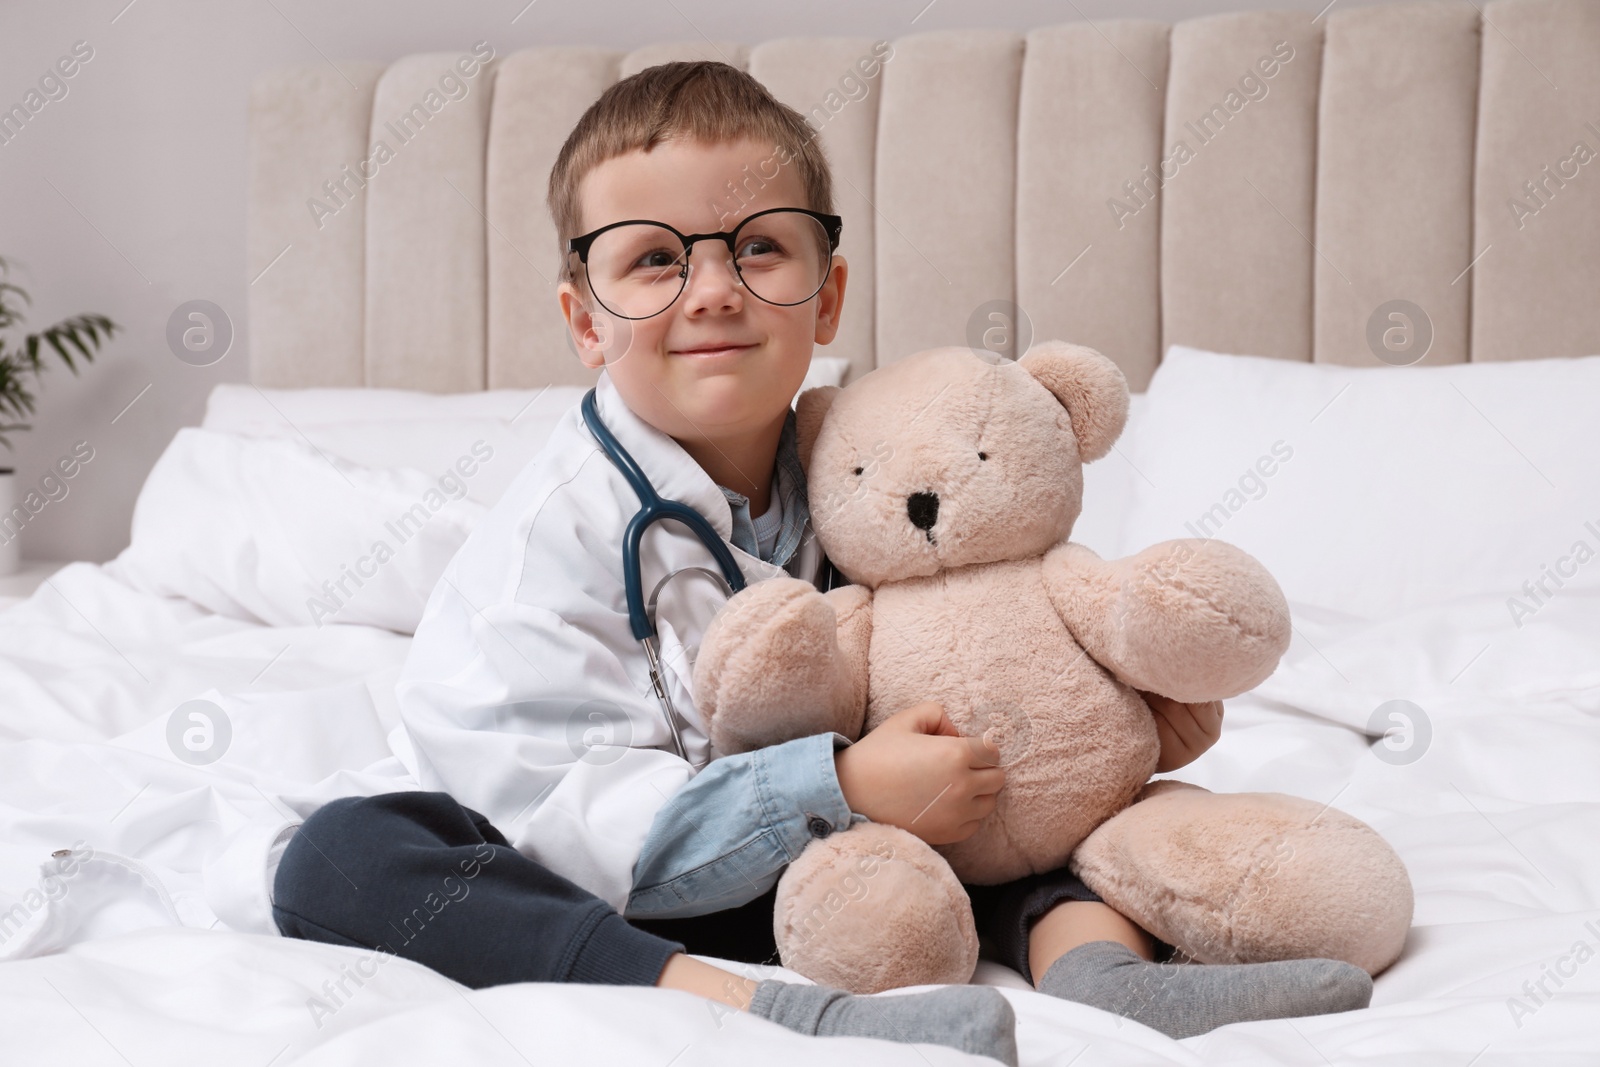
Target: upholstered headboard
<point>1260,183</point>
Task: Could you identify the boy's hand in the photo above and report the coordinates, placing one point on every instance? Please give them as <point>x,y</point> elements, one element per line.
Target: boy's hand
<point>917,772</point>
<point>1186,730</point>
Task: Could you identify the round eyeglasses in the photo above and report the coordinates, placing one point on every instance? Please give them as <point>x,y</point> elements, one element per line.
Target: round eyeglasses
<point>636,268</point>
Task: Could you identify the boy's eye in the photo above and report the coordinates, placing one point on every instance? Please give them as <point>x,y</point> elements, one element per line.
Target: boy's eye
<point>983,455</point>
<point>860,469</point>
<point>758,246</point>
<point>660,259</point>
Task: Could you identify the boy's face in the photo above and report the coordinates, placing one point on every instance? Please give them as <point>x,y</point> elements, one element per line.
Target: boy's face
<point>660,365</point>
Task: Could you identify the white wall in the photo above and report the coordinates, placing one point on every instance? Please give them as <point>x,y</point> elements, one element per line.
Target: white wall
<point>127,196</point>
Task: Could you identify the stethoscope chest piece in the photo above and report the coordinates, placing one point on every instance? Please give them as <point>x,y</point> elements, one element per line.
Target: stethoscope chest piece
<point>652,653</point>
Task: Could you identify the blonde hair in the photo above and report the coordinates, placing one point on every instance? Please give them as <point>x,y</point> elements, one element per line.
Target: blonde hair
<point>703,100</point>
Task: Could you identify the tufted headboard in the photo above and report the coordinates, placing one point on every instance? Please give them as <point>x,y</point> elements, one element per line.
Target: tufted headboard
<point>1260,183</point>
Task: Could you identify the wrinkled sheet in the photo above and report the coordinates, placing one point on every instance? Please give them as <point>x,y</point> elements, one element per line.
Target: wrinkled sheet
<point>1487,788</point>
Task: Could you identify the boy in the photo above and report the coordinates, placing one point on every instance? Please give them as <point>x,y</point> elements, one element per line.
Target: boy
<point>526,696</point>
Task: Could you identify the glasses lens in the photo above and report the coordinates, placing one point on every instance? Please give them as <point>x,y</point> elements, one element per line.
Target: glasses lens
<point>636,270</point>
<point>782,256</point>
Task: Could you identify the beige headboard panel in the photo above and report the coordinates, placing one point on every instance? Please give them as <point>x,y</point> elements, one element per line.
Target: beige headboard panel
<point>1127,184</point>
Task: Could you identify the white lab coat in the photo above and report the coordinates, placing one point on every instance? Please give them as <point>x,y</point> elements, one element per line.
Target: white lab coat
<point>525,695</point>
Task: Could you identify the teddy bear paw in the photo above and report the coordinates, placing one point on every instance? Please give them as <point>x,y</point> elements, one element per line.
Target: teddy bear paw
<point>1210,620</point>
<point>769,669</point>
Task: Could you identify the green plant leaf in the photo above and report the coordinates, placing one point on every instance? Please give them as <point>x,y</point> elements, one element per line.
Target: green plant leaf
<point>9,315</point>
<point>54,341</point>
<point>70,331</point>
<point>14,399</point>
<point>4,440</point>
<point>66,338</point>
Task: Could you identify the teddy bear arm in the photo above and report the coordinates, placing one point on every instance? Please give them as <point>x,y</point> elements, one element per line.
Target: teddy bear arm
<point>853,606</point>
<point>1191,620</point>
<point>771,668</point>
<point>1084,590</point>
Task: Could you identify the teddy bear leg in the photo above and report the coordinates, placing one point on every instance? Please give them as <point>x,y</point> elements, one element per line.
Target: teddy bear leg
<point>1251,877</point>
<point>771,669</point>
<point>874,908</point>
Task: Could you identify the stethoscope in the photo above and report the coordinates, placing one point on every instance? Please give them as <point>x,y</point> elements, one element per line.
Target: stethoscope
<point>652,509</point>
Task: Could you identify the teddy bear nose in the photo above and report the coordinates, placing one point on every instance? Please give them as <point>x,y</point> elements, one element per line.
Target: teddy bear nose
<point>923,509</point>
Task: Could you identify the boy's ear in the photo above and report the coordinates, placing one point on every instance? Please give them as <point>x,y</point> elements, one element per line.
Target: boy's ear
<point>578,322</point>
<point>809,409</point>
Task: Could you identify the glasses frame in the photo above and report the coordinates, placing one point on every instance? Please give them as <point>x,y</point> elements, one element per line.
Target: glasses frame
<point>832,225</point>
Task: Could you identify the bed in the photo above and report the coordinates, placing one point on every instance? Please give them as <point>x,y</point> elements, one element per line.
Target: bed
<point>1376,264</point>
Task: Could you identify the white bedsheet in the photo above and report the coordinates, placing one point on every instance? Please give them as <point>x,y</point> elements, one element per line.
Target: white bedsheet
<point>1498,821</point>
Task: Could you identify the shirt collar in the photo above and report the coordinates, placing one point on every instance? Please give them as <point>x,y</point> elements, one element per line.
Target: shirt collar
<point>789,491</point>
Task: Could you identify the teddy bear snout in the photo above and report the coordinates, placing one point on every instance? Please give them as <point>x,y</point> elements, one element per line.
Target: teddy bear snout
<point>923,509</point>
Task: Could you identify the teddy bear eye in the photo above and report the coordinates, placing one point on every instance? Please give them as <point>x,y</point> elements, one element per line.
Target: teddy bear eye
<point>983,455</point>
<point>860,469</point>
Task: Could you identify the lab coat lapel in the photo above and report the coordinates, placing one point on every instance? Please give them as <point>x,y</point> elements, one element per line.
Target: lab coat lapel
<point>675,474</point>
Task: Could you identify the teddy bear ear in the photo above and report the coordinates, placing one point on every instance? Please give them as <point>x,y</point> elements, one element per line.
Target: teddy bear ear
<point>809,409</point>
<point>1089,386</point>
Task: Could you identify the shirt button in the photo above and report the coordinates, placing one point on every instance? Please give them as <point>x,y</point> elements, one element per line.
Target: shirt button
<point>819,826</point>
<point>58,853</point>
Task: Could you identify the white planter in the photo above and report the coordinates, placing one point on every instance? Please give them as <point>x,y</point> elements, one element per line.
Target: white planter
<point>10,543</point>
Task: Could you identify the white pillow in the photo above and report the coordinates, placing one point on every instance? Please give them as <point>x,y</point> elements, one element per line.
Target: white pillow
<point>275,507</point>
<point>385,428</point>
<point>272,531</point>
<point>1108,489</point>
<point>1376,490</point>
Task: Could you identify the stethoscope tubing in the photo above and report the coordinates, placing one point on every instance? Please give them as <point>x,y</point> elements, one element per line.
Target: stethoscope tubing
<point>652,509</point>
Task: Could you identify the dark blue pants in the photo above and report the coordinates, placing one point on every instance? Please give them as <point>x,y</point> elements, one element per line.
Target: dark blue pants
<point>418,875</point>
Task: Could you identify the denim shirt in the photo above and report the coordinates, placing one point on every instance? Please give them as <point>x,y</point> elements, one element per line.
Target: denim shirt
<point>725,837</point>
<point>790,489</point>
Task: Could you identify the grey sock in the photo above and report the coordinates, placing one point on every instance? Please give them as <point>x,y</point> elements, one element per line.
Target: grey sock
<point>1185,999</point>
<point>975,1019</point>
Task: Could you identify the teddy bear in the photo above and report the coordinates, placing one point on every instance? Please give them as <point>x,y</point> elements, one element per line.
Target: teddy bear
<point>944,487</point>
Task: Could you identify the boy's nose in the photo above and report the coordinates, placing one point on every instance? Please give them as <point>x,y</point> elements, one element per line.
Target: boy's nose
<point>923,509</point>
<point>711,274</point>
